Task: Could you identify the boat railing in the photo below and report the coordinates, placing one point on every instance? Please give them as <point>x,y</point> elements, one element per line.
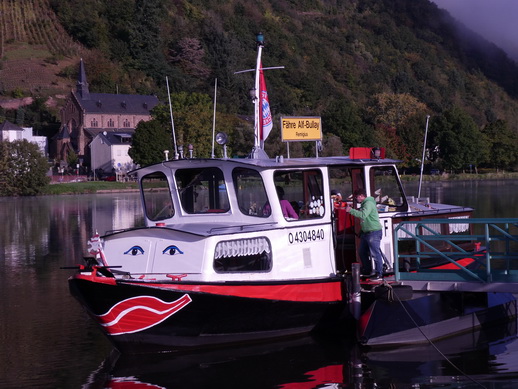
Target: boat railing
<point>241,227</point>
<point>429,210</point>
<point>457,250</point>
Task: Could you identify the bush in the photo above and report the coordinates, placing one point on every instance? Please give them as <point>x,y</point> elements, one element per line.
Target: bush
<point>23,169</point>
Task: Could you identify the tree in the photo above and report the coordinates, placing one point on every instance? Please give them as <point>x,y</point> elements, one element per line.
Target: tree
<point>145,41</point>
<point>149,142</point>
<point>391,113</point>
<point>332,146</point>
<point>192,114</point>
<point>343,120</point>
<point>502,145</point>
<point>458,140</point>
<point>23,169</point>
<point>395,109</point>
<point>411,134</point>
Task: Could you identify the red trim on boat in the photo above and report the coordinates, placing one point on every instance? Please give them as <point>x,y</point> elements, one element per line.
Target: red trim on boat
<point>94,278</point>
<point>363,322</point>
<point>321,377</point>
<point>316,292</point>
<point>451,266</point>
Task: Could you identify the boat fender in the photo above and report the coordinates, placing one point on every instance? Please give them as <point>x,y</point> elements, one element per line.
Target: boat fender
<point>387,292</point>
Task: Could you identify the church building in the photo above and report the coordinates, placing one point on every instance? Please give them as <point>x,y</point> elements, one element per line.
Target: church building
<point>87,114</point>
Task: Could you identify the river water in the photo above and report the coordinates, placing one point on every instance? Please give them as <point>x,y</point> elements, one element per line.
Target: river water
<point>47,341</point>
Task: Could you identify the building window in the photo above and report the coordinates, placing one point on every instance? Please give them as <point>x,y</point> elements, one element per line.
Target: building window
<point>126,123</point>
<point>111,123</point>
<point>94,123</point>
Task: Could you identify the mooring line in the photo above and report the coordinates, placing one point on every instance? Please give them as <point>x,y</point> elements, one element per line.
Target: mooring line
<point>391,295</point>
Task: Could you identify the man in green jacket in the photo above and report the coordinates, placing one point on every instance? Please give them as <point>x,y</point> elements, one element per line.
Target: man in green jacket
<point>370,238</point>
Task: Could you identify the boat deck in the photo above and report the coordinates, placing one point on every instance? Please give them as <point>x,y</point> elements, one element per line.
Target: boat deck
<point>491,267</point>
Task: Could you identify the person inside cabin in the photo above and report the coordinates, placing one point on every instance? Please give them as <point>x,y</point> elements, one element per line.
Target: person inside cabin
<point>370,238</point>
<point>287,208</point>
<point>336,197</point>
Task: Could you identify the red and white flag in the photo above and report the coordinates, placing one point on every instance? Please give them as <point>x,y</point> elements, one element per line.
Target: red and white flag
<point>266,122</point>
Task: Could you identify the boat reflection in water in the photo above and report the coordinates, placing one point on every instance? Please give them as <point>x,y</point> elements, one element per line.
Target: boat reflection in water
<point>475,359</point>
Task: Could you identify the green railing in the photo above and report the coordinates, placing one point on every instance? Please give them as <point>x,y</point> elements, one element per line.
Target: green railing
<point>457,250</point>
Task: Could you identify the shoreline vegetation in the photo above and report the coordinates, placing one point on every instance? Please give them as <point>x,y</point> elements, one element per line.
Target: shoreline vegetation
<point>99,187</point>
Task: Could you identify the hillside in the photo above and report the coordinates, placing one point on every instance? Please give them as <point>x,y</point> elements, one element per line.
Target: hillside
<point>344,60</point>
<point>34,49</point>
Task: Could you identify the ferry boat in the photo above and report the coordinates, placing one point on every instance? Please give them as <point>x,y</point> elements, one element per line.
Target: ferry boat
<point>240,250</point>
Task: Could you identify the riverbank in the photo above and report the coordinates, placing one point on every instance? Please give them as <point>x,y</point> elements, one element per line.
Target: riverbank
<point>89,187</point>
<point>461,176</point>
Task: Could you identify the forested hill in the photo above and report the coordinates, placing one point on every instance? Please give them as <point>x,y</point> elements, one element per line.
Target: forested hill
<point>373,69</point>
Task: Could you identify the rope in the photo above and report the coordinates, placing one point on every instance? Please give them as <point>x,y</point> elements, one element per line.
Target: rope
<point>392,297</point>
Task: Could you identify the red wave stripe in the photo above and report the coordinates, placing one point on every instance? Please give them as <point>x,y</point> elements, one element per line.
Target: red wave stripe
<point>326,375</point>
<point>139,313</point>
<point>308,292</point>
<point>129,382</point>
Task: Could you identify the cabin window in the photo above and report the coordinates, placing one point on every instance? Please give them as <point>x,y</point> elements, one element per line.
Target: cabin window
<point>202,190</point>
<point>243,255</point>
<point>157,197</point>
<point>342,179</point>
<point>303,190</point>
<point>386,189</point>
<point>251,195</point>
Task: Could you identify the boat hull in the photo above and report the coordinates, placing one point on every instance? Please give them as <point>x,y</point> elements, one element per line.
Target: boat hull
<point>429,316</point>
<point>147,317</point>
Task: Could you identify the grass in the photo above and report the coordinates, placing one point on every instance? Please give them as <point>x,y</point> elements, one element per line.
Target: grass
<point>461,176</point>
<point>88,187</point>
<point>107,186</point>
<point>27,52</point>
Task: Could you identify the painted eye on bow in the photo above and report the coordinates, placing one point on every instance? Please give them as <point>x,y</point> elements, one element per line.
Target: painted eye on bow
<point>172,250</point>
<point>135,250</point>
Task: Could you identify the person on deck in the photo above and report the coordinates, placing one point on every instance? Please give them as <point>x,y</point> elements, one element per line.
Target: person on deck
<point>370,238</point>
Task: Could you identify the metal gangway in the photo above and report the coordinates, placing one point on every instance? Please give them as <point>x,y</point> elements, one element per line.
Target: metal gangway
<point>470,255</point>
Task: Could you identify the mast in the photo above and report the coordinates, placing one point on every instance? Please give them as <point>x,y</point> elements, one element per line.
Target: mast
<point>260,100</point>
<point>214,118</point>
<point>259,142</point>
<point>172,120</point>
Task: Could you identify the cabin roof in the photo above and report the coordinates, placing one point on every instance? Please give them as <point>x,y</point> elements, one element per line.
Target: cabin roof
<point>273,163</point>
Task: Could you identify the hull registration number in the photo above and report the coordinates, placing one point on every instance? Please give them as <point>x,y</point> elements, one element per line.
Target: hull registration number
<point>304,236</point>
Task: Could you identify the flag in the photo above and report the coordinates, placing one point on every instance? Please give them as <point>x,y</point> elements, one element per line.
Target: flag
<point>266,122</point>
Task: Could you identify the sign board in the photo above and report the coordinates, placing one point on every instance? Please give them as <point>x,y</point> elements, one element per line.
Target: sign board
<point>301,128</point>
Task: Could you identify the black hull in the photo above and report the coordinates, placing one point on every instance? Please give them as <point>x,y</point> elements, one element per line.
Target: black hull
<point>207,320</point>
<point>429,316</point>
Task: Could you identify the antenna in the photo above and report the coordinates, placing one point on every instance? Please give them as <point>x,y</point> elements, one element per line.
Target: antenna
<point>172,121</point>
<point>214,116</point>
<point>422,159</point>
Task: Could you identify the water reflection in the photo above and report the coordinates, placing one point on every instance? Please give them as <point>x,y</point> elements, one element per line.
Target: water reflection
<point>46,340</point>
<point>495,198</point>
<point>310,363</point>
<point>43,331</point>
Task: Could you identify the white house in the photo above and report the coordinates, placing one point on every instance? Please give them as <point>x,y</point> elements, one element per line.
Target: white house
<point>10,132</point>
<point>109,152</point>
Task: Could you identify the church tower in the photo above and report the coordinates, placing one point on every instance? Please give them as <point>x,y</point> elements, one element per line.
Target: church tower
<point>82,84</point>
